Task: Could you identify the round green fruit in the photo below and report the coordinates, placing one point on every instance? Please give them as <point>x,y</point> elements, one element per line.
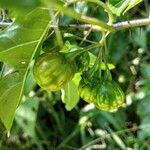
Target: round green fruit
<point>53,70</point>
<point>86,90</point>
<point>108,96</point>
<point>105,95</point>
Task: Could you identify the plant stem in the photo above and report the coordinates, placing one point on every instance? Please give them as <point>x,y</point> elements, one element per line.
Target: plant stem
<point>79,27</point>
<point>100,62</point>
<point>131,24</point>
<point>116,26</point>
<point>101,55</point>
<point>57,31</point>
<point>103,5</point>
<point>105,55</point>
<point>105,51</point>
<point>89,20</point>
<point>72,55</point>
<point>79,38</point>
<point>96,64</point>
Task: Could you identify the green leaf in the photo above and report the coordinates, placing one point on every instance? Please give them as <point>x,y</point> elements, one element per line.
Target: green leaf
<point>70,95</point>
<point>19,3</point>
<point>118,140</point>
<point>102,66</point>
<point>118,7</point>
<point>68,47</point>
<point>30,83</point>
<point>114,2</point>
<point>19,43</point>
<point>132,4</point>
<point>121,7</point>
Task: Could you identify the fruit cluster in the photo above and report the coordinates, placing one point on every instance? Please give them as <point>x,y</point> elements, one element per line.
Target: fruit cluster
<point>53,70</point>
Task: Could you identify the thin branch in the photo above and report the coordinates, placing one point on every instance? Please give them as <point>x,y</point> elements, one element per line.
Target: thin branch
<point>117,26</point>
<point>81,27</point>
<point>79,38</point>
<point>57,31</point>
<point>86,35</point>
<point>131,24</point>
<point>86,19</point>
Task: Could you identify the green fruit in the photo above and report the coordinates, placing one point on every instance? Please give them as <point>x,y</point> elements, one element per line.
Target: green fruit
<point>108,96</point>
<point>53,70</point>
<point>85,91</point>
<point>105,95</point>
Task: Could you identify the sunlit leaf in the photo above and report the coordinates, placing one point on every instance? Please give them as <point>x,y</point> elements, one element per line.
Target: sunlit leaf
<point>102,65</point>
<point>121,7</point>
<point>70,95</point>
<point>118,7</point>
<point>132,4</point>
<point>19,43</point>
<point>68,47</point>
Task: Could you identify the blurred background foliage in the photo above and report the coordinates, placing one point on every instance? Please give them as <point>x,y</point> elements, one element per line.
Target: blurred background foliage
<point>43,123</point>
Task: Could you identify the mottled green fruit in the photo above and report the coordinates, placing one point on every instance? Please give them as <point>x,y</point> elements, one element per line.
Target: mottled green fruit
<point>53,70</point>
<point>109,96</point>
<point>105,95</point>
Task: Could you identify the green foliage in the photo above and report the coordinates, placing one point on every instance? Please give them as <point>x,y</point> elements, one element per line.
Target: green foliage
<point>105,94</point>
<point>26,4</point>
<point>70,94</point>
<point>53,70</point>
<point>36,26</point>
<point>17,50</point>
<point>120,7</point>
